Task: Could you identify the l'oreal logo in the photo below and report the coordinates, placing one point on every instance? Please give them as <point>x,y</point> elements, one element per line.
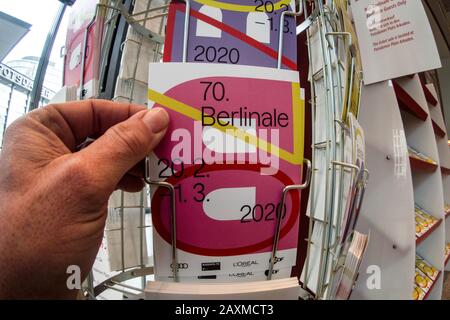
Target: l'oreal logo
<point>244,264</point>
<point>241,274</point>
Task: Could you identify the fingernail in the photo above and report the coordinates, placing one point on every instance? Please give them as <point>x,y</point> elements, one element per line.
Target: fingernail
<point>156,120</point>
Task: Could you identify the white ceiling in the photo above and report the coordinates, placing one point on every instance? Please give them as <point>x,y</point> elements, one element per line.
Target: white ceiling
<point>12,31</point>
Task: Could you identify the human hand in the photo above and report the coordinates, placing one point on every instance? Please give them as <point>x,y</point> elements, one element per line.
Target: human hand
<point>53,198</point>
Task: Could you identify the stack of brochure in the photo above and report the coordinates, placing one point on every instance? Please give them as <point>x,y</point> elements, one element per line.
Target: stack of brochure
<point>425,276</point>
<point>347,275</point>
<point>225,97</point>
<point>420,156</point>
<point>424,221</point>
<point>138,52</point>
<point>225,212</point>
<point>83,46</point>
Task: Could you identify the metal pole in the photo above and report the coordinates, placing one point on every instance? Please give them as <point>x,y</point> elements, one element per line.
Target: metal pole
<point>122,236</point>
<point>45,57</point>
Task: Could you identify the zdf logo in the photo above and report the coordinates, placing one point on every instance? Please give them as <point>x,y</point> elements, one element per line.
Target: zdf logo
<point>276,260</point>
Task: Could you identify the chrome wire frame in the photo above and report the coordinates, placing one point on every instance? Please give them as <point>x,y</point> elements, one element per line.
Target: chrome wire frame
<point>329,32</point>
<point>329,245</point>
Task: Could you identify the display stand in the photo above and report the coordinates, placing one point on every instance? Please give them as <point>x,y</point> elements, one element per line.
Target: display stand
<point>131,87</point>
<point>428,189</point>
<point>233,289</point>
<point>330,58</point>
<point>388,210</point>
<point>399,181</point>
<point>330,89</point>
<point>444,157</point>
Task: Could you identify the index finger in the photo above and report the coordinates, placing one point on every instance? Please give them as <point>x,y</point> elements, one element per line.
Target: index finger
<point>74,121</point>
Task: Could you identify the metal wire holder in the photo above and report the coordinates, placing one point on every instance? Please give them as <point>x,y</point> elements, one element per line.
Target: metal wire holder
<point>329,145</point>
<point>328,28</point>
<point>141,271</point>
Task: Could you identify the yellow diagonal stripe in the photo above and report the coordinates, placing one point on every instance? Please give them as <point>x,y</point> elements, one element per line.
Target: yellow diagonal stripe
<point>298,114</point>
<point>298,111</point>
<point>239,7</point>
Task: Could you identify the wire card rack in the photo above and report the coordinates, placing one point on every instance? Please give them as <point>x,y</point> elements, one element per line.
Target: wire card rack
<point>128,224</point>
<point>336,182</point>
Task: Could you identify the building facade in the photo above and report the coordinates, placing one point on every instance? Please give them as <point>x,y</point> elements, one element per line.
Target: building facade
<point>16,84</point>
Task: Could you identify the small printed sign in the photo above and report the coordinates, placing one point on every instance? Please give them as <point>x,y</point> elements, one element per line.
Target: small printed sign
<point>395,39</point>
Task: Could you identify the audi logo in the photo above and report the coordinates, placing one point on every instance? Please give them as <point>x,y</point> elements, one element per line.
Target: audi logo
<point>180,266</point>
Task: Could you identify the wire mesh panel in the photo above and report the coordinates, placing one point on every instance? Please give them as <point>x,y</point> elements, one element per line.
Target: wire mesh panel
<point>334,173</point>
<point>125,257</point>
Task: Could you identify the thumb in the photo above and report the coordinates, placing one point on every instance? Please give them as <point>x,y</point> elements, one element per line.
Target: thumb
<point>123,145</point>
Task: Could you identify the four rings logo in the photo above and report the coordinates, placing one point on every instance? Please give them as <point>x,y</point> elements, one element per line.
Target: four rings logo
<point>244,264</point>
<point>180,266</point>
